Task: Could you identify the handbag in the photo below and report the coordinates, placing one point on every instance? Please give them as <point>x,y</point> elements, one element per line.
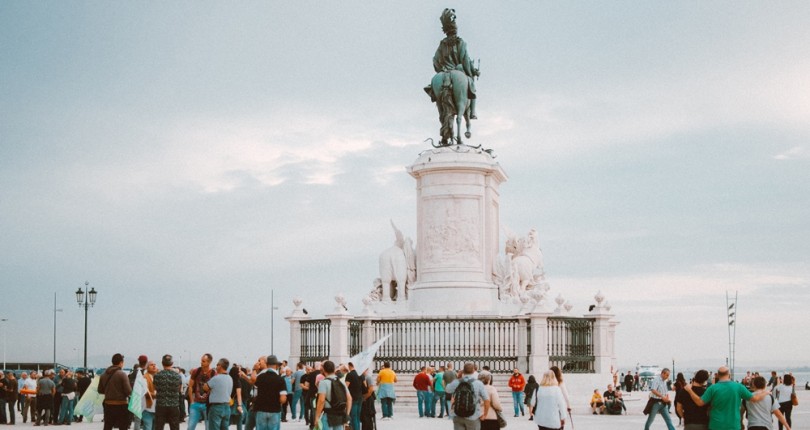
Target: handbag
<point>794,399</point>
<point>501,419</point>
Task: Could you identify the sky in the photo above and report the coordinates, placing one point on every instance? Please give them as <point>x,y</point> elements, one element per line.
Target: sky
<point>192,159</point>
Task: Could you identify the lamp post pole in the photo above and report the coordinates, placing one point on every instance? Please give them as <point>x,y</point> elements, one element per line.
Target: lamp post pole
<point>86,298</point>
<point>54,329</point>
<point>3,320</point>
<point>272,322</point>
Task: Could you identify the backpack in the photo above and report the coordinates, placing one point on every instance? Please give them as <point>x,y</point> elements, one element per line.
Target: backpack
<point>464,399</point>
<point>337,413</point>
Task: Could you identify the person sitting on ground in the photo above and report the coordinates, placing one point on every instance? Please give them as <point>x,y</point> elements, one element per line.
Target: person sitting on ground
<point>597,404</point>
<point>613,401</point>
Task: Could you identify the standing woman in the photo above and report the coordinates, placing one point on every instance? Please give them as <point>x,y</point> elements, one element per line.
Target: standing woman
<point>12,389</point>
<point>783,392</point>
<point>385,381</point>
<point>528,391</point>
<point>558,374</point>
<point>551,405</point>
<point>680,382</point>
<point>490,421</point>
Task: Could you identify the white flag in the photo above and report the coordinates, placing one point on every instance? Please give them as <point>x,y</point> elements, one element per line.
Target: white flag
<point>138,391</point>
<point>363,360</point>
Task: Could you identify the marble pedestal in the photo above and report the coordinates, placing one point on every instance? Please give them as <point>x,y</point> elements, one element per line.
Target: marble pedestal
<point>457,232</point>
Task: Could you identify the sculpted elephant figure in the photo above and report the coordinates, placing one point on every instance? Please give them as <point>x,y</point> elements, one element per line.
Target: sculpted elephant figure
<point>397,268</point>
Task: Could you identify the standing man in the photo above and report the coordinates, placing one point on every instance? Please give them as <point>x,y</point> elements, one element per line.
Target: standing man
<point>310,388</point>
<point>3,389</point>
<point>725,398</point>
<point>46,389</point>
<point>197,397</point>
<point>368,411</point>
<point>517,383</point>
<point>69,388</point>
<point>355,385</point>
<point>168,386</point>
<point>219,397</point>
<point>29,391</point>
<point>298,392</point>
<point>628,382</point>
<point>472,422</point>
<point>421,382</point>
<point>336,410</point>
<point>271,393</point>
<point>439,394</point>
<point>659,395</point>
<point>114,385</point>
<point>12,391</point>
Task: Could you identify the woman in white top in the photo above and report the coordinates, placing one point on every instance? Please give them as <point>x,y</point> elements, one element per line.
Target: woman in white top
<point>551,406</point>
<point>490,422</point>
<point>783,392</point>
<point>558,374</point>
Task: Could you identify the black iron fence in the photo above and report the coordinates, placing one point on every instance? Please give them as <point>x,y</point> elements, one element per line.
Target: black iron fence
<point>570,344</point>
<point>432,342</point>
<point>315,340</point>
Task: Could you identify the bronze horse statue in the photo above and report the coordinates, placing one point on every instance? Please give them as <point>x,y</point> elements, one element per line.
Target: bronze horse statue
<point>453,86</point>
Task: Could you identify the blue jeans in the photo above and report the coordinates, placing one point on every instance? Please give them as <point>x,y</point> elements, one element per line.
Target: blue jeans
<point>387,405</point>
<point>659,408</point>
<point>235,411</point>
<point>147,419</point>
<point>325,424</point>
<point>421,397</point>
<point>268,420</point>
<point>219,417</point>
<point>297,398</point>
<point>66,411</point>
<point>517,399</point>
<point>196,413</point>
<point>354,415</point>
<point>430,411</point>
<point>441,397</point>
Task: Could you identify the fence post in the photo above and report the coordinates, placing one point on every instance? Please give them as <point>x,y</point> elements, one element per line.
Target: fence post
<point>339,337</point>
<point>295,319</point>
<point>538,360</point>
<point>602,335</point>
<point>523,344</point>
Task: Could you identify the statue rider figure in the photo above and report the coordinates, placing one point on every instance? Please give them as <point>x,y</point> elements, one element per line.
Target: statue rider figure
<point>452,55</point>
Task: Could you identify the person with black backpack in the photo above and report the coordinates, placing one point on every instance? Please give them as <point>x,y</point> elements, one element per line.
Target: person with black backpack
<point>334,400</point>
<point>469,400</point>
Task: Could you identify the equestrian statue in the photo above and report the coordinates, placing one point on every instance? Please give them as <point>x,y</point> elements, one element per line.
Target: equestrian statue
<point>453,86</point>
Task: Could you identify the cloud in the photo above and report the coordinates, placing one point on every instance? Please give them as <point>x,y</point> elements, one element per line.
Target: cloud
<point>797,152</point>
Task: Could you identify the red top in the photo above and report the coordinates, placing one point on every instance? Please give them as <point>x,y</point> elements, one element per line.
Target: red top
<point>421,382</point>
<point>516,383</point>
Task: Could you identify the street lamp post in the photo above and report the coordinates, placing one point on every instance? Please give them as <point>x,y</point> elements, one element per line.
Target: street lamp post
<point>3,320</point>
<point>87,299</point>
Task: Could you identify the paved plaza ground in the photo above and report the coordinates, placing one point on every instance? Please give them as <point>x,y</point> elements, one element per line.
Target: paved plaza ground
<point>406,418</point>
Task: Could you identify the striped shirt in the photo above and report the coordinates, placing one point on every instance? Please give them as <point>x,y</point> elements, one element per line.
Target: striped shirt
<point>658,384</point>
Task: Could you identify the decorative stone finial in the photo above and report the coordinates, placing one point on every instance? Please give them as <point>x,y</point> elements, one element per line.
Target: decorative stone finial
<point>568,306</point>
<point>599,297</point>
<point>607,306</point>
<point>559,300</point>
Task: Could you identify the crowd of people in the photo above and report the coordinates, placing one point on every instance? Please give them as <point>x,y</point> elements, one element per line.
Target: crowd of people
<point>338,397</point>
<point>719,402</point>
<point>45,399</point>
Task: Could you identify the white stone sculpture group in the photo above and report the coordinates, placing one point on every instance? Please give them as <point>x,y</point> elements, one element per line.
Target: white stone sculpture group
<point>521,269</point>
<point>519,274</point>
<point>397,270</point>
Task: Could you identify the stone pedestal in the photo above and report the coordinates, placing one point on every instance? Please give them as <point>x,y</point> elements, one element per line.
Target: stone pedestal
<point>457,231</point>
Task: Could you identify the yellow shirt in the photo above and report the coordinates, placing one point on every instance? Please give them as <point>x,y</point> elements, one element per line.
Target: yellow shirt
<point>387,376</point>
<point>596,398</point>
